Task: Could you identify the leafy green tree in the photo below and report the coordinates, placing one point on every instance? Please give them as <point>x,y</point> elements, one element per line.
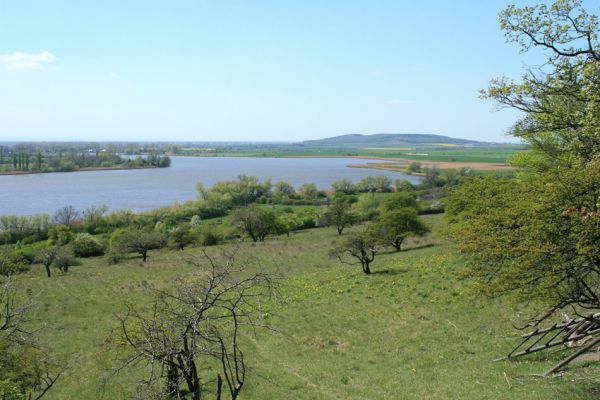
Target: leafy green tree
<point>181,237</point>
<point>257,222</point>
<point>308,190</point>
<point>243,191</point>
<point>367,207</point>
<point>341,216</point>
<point>344,186</point>
<point>46,257</point>
<point>60,235</point>
<point>284,189</point>
<point>394,226</point>
<point>93,218</point>
<point>402,185</point>
<point>358,248</point>
<point>537,234</point>
<point>11,262</point>
<point>400,200</point>
<point>138,241</point>
<point>56,256</point>
<point>63,260</point>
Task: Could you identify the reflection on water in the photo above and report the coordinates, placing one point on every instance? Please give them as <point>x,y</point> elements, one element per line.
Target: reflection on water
<point>150,188</point>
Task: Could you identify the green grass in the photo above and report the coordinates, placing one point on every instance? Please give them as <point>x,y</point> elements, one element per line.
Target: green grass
<point>409,331</point>
<point>499,154</point>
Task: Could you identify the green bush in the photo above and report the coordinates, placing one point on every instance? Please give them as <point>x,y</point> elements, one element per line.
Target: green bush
<point>11,262</point>
<point>60,235</point>
<point>115,238</point>
<point>85,245</point>
<point>30,251</point>
<point>210,237</point>
<point>63,261</point>
<point>10,391</point>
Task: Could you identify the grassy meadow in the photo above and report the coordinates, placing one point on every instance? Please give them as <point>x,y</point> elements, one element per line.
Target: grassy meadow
<point>411,330</point>
<point>500,154</point>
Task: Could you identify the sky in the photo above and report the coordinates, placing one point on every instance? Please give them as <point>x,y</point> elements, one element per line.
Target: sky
<point>238,70</point>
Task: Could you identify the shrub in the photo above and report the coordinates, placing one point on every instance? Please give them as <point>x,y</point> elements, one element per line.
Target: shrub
<point>139,241</point>
<point>85,245</point>
<point>210,238</point>
<point>181,237</point>
<point>10,391</point>
<point>63,261</point>
<point>115,238</point>
<point>60,235</point>
<point>11,262</point>
<point>114,257</point>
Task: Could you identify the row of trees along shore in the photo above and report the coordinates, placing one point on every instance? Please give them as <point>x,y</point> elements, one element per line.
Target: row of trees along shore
<point>44,158</point>
<point>228,210</point>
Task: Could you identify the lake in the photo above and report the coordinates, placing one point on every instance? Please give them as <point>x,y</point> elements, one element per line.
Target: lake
<point>144,189</point>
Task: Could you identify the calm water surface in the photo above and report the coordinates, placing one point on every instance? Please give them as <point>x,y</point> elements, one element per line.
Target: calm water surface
<point>144,189</point>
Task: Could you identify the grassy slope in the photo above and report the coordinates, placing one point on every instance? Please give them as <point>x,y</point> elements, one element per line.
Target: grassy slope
<point>408,331</point>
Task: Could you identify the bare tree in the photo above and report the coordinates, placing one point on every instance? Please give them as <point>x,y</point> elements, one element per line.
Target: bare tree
<point>66,216</point>
<point>13,317</point>
<point>197,324</point>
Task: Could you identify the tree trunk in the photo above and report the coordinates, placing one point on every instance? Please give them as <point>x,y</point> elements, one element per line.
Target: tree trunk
<point>339,230</point>
<point>48,270</point>
<point>173,382</point>
<point>397,243</point>
<point>219,386</point>
<point>144,255</point>
<point>366,268</point>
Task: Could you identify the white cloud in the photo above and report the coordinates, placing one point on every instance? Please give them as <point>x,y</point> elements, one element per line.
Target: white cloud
<point>19,60</point>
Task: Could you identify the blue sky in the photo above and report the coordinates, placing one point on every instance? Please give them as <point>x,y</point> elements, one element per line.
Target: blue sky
<point>250,70</point>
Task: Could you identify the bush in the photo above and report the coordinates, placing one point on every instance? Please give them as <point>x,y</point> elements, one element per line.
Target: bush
<point>11,262</point>
<point>115,238</point>
<point>139,241</point>
<point>85,245</point>
<point>60,235</point>
<point>210,238</point>
<point>181,237</point>
<point>114,257</point>
<point>63,261</point>
<point>29,252</point>
<point>10,391</point>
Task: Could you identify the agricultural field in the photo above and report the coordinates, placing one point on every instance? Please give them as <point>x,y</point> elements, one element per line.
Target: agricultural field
<point>411,330</point>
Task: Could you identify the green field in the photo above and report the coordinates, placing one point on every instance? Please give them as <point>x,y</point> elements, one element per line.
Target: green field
<point>501,154</point>
<point>409,331</point>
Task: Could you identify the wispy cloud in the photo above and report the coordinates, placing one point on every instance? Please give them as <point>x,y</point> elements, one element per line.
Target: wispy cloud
<point>22,61</point>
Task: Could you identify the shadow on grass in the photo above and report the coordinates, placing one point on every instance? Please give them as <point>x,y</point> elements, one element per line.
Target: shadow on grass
<point>424,246</point>
<point>393,251</point>
<point>390,271</point>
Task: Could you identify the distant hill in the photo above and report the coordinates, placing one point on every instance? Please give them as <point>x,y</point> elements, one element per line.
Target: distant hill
<point>390,140</point>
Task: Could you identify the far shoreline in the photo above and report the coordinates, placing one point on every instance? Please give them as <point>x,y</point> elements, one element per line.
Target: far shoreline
<point>88,169</point>
<point>386,166</point>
